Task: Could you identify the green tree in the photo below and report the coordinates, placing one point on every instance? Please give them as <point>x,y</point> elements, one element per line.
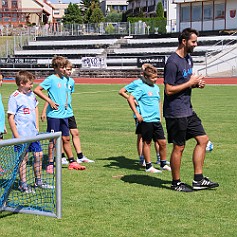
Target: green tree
<point>114,17</point>
<point>159,10</point>
<point>72,14</point>
<point>97,16</point>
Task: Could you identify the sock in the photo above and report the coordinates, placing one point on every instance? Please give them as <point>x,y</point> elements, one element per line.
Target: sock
<point>148,165</point>
<point>141,158</point>
<point>198,177</point>
<point>63,155</point>
<point>162,163</point>
<point>175,182</point>
<point>158,157</point>
<point>38,180</point>
<point>71,160</point>
<point>80,155</point>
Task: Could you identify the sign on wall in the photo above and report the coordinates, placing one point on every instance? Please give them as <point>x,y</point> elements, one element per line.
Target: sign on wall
<point>156,61</point>
<point>93,62</point>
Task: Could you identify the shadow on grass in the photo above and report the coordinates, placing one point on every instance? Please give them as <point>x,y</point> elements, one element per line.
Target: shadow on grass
<point>147,180</point>
<point>122,162</point>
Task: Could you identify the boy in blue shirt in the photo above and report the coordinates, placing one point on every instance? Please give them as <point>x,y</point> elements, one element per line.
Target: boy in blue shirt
<point>148,98</point>
<point>57,114</point>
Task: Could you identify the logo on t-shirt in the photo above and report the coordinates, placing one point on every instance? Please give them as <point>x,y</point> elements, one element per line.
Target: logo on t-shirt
<point>26,111</point>
<point>188,72</point>
<point>150,93</point>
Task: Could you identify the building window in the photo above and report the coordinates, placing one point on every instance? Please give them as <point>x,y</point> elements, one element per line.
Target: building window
<point>14,4</point>
<point>207,12</point>
<point>220,11</point>
<point>196,12</point>
<point>185,13</point>
<point>4,3</point>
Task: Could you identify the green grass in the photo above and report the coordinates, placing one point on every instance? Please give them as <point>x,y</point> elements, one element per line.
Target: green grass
<point>114,197</point>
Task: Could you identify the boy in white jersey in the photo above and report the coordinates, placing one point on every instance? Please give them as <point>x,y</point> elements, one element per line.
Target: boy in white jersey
<point>148,98</point>
<point>23,120</point>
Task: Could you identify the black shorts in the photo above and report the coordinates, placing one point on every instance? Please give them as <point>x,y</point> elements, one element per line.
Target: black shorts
<point>138,127</point>
<point>72,124</point>
<point>181,129</point>
<point>152,130</point>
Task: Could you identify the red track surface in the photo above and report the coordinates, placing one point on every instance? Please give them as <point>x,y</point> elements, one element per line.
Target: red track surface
<point>214,81</point>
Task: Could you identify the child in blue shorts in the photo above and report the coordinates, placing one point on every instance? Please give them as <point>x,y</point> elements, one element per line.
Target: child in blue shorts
<point>23,120</point>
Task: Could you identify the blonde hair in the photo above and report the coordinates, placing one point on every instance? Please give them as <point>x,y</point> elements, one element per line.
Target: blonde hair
<point>58,62</point>
<point>24,77</point>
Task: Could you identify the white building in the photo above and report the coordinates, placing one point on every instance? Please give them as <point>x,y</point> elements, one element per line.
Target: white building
<point>148,8</point>
<point>116,5</point>
<point>206,15</point>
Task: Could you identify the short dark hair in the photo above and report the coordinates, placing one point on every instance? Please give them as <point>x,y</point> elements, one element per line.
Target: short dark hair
<point>186,34</point>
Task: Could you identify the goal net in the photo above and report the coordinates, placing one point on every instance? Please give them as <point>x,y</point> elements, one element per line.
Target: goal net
<point>43,199</point>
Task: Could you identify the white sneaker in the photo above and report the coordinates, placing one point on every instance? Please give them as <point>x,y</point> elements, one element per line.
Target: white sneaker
<point>166,167</point>
<point>64,161</point>
<point>153,170</point>
<point>84,159</point>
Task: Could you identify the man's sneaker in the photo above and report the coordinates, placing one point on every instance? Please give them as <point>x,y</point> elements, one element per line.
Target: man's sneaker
<point>205,183</point>
<point>64,161</point>
<point>153,170</point>
<point>181,187</point>
<point>26,189</point>
<point>84,159</point>
<point>50,169</point>
<point>44,186</point>
<point>75,166</point>
<point>166,167</point>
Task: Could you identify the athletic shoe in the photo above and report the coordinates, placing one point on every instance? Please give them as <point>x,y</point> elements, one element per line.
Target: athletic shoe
<point>64,161</point>
<point>44,186</point>
<point>143,164</point>
<point>26,189</point>
<point>205,183</point>
<point>181,187</point>
<point>166,167</point>
<point>153,170</point>
<point>2,171</point>
<point>75,166</point>
<point>50,169</point>
<point>84,159</point>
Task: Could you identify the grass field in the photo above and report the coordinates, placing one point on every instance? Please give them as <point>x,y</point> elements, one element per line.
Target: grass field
<point>114,197</point>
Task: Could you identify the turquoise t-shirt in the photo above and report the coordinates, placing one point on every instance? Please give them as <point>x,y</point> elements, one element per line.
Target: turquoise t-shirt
<point>2,116</point>
<point>132,87</point>
<point>58,92</point>
<point>148,98</point>
<point>70,89</point>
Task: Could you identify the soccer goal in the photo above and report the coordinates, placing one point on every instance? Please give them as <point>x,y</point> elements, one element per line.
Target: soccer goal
<point>40,200</point>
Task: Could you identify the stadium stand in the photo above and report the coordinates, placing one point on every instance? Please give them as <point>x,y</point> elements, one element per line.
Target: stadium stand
<point>120,54</point>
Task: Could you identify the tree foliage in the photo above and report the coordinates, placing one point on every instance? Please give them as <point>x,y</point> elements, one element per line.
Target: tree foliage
<point>73,14</point>
<point>114,17</point>
<point>159,10</point>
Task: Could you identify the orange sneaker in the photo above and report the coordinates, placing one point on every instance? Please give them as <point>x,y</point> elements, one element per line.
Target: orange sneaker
<point>75,166</point>
<point>50,169</point>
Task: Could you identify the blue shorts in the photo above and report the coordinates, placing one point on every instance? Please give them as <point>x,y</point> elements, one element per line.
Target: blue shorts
<point>58,125</point>
<point>33,147</point>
